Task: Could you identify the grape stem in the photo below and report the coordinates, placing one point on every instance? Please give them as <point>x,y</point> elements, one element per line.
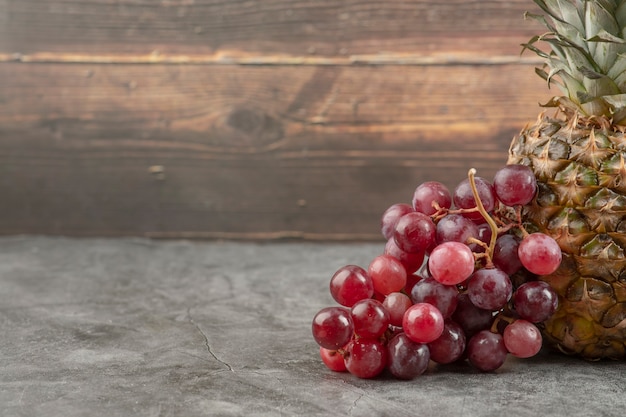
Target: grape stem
<point>492,224</point>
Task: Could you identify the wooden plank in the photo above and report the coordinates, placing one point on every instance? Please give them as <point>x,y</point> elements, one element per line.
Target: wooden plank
<point>253,31</point>
<point>244,151</point>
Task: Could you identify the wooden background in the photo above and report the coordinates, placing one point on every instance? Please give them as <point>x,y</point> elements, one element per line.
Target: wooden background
<point>251,119</point>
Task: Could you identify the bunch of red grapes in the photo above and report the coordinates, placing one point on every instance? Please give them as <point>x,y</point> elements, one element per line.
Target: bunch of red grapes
<point>442,289</point>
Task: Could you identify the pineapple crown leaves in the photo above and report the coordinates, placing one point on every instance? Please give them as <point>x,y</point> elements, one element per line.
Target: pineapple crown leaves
<point>587,56</point>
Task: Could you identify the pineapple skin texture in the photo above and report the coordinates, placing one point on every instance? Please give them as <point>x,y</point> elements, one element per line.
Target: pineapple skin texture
<point>580,167</point>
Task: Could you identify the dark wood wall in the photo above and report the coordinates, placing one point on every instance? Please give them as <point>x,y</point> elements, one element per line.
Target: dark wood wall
<point>258,119</point>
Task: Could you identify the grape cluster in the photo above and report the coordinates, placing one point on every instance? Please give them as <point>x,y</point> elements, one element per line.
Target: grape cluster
<point>442,291</point>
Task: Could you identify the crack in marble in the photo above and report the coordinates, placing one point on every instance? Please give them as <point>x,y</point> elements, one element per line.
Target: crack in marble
<point>206,341</point>
<point>354,404</point>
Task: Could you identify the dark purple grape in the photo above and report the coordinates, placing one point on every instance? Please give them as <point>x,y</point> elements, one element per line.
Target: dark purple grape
<point>456,228</point>
<point>406,358</point>
<point>489,288</point>
<point>486,351</point>
<point>450,346</point>
<point>484,235</point>
<point>505,255</point>
<point>430,291</point>
<point>535,301</point>
<point>471,318</point>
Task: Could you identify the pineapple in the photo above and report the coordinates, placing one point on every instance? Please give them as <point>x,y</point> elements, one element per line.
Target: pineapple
<point>578,155</point>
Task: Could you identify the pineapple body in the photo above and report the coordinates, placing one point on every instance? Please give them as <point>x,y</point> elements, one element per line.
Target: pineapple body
<point>580,167</point>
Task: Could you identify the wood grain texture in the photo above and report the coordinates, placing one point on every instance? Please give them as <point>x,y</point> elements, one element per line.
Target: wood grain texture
<point>263,30</point>
<point>231,151</point>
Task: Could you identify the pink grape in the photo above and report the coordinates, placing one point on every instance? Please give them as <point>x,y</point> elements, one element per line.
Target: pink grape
<point>515,185</point>
<point>333,360</point>
<point>451,263</point>
<point>486,351</point>
<point>391,216</point>
<point>540,254</point>
<point>397,304</point>
<point>450,346</point>
<point>415,232</point>
<point>365,358</point>
<point>489,288</point>
<point>387,274</point>
<point>351,284</point>
<point>464,198</point>
<point>370,318</point>
<point>430,291</point>
<point>332,327</point>
<point>522,339</point>
<point>423,323</point>
<point>407,359</point>
<point>431,192</point>
<point>535,301</point>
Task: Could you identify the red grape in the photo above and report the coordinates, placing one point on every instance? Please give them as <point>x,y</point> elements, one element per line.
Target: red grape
<point>515,185</point>
<point>351,284</point>
<point>431,192</point>
<point>410,261</point>
<point>423,323</point>
<point>370,318</point>
<point>464,198</point>
<point>387,274</point>
<point>415,232</point>
<point>365,358</point>
<point>333,360</point>
<point>391,216</point>
<point>332,327</point>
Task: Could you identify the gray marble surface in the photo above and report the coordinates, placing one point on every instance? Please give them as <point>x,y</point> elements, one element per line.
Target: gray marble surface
<point>131,327</point>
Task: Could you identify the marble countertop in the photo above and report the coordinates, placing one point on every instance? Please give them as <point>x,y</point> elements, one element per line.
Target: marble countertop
<point>133,327</point>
